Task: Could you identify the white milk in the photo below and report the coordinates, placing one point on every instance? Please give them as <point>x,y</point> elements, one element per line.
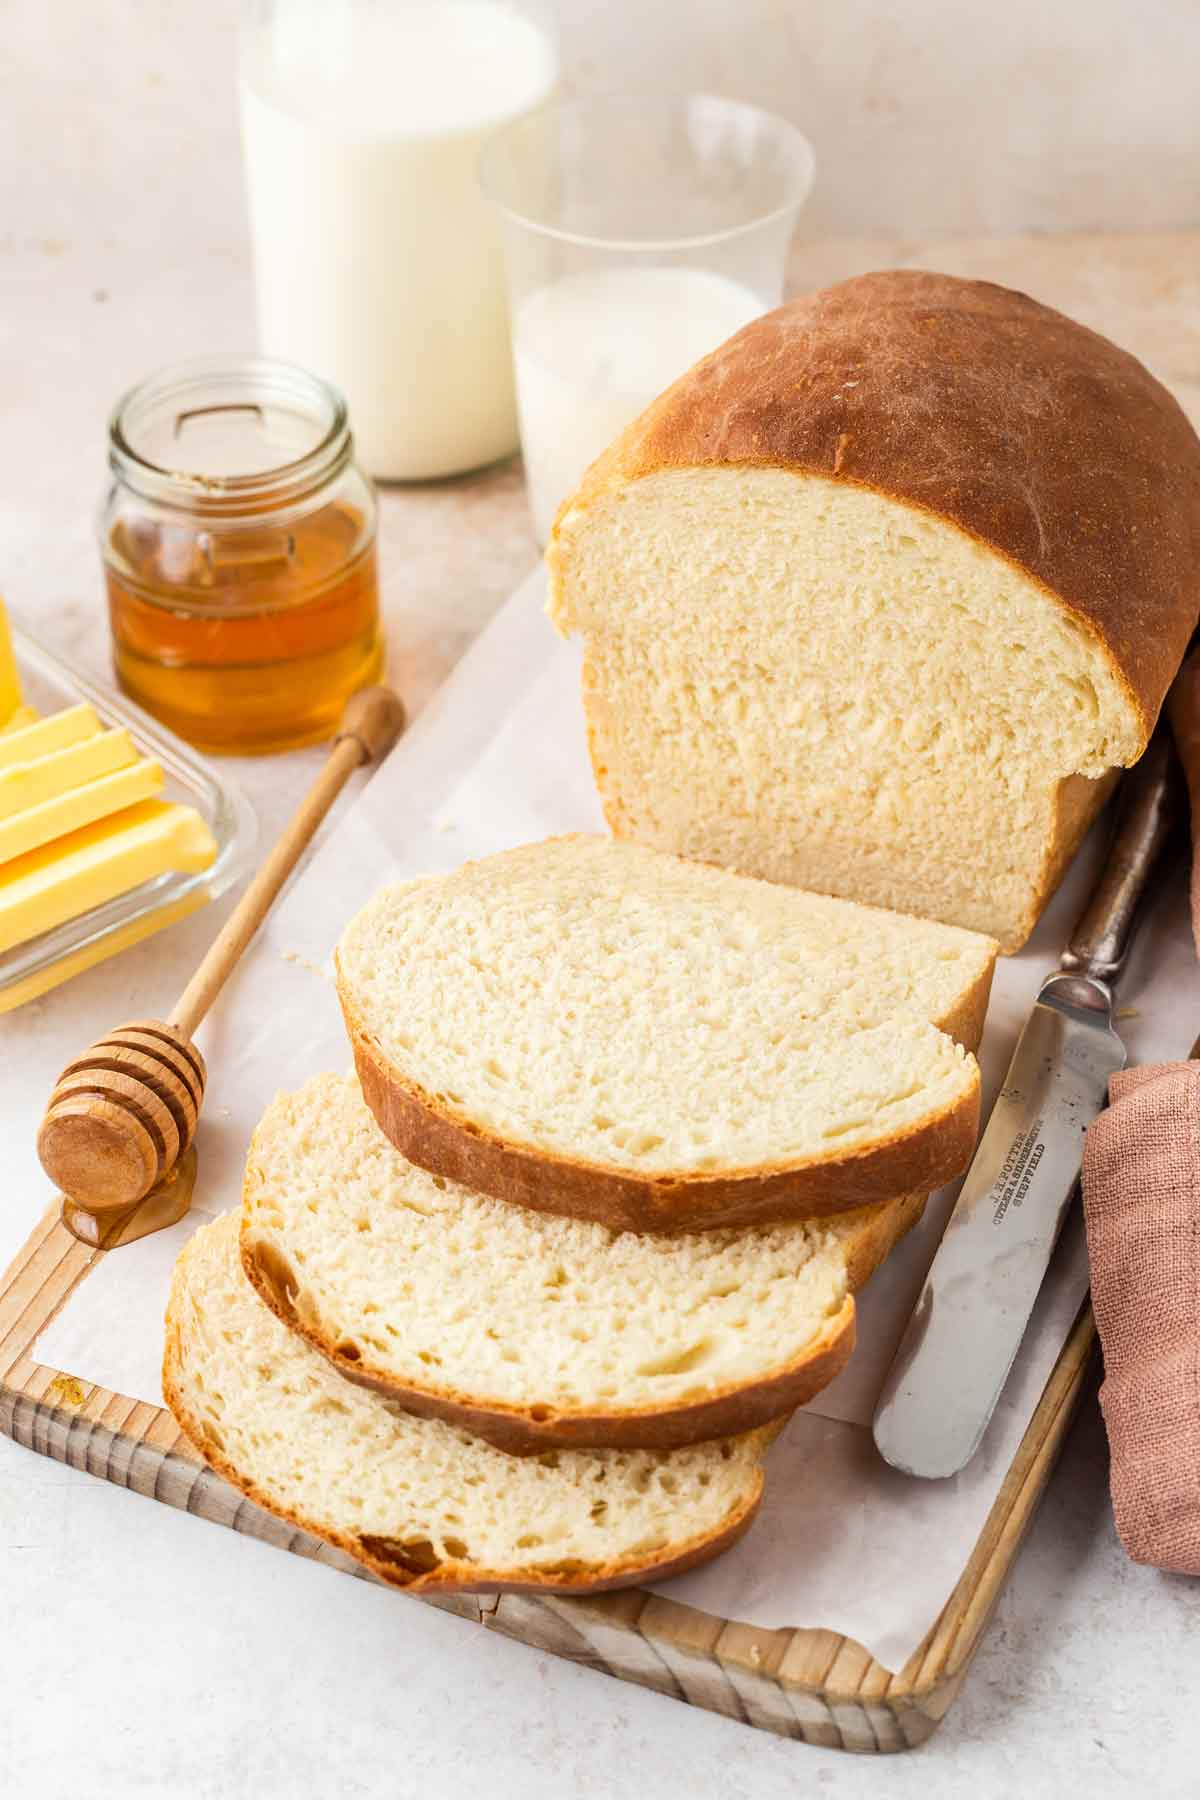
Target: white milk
<point>377,259</point>
<point>593,349</point>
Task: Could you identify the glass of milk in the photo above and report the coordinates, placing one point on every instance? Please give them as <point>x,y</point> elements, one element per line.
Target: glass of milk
<point>639,233</point>
<point>377,260</point>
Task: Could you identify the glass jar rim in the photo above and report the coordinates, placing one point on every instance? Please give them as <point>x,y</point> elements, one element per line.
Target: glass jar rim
<point>668,104</point>
<point>259,380</point>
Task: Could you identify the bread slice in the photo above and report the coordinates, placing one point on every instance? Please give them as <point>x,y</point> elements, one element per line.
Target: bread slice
<point>597,1029</point>
<point>874,597</point>
<point>535,1331</point>
<point>424,1505</point>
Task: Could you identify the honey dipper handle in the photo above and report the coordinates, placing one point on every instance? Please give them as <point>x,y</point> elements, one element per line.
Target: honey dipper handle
<point>371,723</point>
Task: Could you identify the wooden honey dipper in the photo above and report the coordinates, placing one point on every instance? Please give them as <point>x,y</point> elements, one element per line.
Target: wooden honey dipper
<point>124,1113</point>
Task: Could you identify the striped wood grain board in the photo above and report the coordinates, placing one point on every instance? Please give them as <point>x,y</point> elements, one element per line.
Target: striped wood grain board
<point>808,1684</point>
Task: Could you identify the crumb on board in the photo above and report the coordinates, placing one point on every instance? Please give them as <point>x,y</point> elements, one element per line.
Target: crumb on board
<point>1128,1012</point>
<point>304,962</point>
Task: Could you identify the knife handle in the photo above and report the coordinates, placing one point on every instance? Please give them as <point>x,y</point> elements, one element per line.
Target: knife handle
<point>1149,806</point>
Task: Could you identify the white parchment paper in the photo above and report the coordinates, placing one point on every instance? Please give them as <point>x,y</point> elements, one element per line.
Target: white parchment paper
<point>498,758</point>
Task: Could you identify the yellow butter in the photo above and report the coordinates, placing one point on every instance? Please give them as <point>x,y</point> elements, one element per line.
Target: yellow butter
<point>46,887</point>
<point>24,715</point>
<point>41,982</point>
<point>47,735</point>
<point>27,784</point>
<point>63,813</point>
<point>10,681</point>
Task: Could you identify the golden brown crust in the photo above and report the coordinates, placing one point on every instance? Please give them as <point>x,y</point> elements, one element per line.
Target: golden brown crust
<point>727,1412</point>
<point>386,1560</point>
<point>1035,436</point>
<point>429,1134</point>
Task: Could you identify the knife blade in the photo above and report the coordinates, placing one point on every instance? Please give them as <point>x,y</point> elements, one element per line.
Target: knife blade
<point>967,1326</point>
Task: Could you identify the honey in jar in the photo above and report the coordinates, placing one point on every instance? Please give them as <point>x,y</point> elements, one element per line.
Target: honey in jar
<point>238,539</point>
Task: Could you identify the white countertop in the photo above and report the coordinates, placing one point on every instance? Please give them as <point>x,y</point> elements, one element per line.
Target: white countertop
<point>144,1652</point>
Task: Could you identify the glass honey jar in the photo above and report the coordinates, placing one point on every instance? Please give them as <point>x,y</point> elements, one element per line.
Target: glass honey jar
<point>238,539</point>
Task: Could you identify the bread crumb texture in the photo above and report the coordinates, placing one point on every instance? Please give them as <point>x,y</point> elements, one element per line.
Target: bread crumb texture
<point>816,684</point>
<point>623,1008</point>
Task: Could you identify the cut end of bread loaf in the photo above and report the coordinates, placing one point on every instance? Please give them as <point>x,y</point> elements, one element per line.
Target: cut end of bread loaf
<point>424,1505</point>
<point>592,1028</point>
<point>814,690</point>
<point>530,1330</point>
<point>875,596</point>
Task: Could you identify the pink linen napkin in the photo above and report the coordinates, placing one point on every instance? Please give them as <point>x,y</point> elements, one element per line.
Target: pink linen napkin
<point>1141,1195</point>
<point>1141,1202</point>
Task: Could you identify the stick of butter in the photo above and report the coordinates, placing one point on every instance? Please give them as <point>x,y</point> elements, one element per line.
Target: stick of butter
<point>10,681</point>
<point>70,876</point>
<point>43,980</point>
<point>44,736</point>
<point>36,825</point>
<point>26,784</point>
<point>24,715</point>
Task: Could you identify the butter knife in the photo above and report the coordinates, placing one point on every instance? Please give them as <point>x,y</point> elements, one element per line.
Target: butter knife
<point>956,1353</point>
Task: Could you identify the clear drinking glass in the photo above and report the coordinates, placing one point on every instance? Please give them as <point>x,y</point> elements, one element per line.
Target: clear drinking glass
<point>639,234</point>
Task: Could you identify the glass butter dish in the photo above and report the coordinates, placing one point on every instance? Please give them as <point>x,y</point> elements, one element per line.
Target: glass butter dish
<point>37,964</point>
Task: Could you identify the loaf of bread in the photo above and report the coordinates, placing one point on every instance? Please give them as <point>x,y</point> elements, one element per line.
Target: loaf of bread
<point>423,1504</point>
<point>601,1030</point>
<point>534,1331</point>
<point>875,597</point>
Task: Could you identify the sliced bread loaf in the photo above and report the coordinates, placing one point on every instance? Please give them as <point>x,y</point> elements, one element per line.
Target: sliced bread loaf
<point>421,1503</point>
<point>875,595</point>
<point>535,1331</point>
<point>597,1029</point>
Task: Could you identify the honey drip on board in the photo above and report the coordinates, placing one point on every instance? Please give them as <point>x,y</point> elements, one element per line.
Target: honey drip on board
<point>164,1205</point>
<point>249,639</point>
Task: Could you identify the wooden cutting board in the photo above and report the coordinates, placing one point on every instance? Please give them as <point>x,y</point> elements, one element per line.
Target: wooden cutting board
<point>804,1683</point>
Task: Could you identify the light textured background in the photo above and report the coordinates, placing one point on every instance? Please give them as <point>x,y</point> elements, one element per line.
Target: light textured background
<point>929,116</point>
<point>143,1653</point>
<point>942,115</point>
